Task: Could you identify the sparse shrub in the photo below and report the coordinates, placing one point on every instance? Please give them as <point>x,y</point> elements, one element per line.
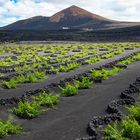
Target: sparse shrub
<point>30,78</point>
<point>47,99</point>
<point>113,133</point>
<point>69,90</point>
<point>128,129</point>
<point>27,110</point>
<point>131,129</point>
<point>9,84</point>
<point>99,74</point>
<point>62,69</point>
<point>135,113</point>
<point>8,128</point>
<point>104,74</point>
<point>112,72</point>
<point>93,60</point>
<point>72,66</point>
<point>84,84</point>
<point>39,75</point>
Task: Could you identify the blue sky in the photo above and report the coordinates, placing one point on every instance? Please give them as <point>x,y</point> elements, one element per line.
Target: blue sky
<point>13,10</point>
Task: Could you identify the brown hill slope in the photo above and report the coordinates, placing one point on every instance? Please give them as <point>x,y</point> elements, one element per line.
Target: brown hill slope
<point>69,17</point>
<point>72,17</point>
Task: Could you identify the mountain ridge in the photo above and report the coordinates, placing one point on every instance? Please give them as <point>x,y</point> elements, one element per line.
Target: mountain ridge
<point>72,17</point>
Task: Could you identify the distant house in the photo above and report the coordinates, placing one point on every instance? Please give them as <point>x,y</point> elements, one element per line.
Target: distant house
<point>65,28</point>
<point>87,29</point>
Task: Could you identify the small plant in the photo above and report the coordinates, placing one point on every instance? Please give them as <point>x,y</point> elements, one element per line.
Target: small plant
<point>47,99</point>
<point>99,74</point>
<point>112,133</point>
<point>62,69</point>
<point>53,69</point>
<point>27,110</point>
<point>39,75</point>
<point>130,60</point>
<point>131,129</point>
<point>8,128</point>
<point>69,67</point>
<point>69,90</point>
<point>10,84</point>
<point>106,56</point>
<point>84,84</point>
<point>135,113</point>
<point>122,51</point>
<point>104,74</point>
<point>112,54</point>
<point>30,78</point>
<point>23,68</point>
<point>20,79</point>
<point>126,62</point>
<point>72,66</point>
<point>112,72</point>
<point>93,60</point>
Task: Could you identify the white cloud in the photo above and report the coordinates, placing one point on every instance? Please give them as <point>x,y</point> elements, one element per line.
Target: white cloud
<point>9,11</point>
<point>28,8</point>
<point>114,9</point>
<point>4,21</point>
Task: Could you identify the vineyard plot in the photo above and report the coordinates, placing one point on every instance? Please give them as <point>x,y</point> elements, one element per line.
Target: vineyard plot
<point>53,91</point>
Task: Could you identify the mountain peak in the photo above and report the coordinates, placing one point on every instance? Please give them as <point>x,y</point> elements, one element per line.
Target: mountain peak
<point>72,11</point>
<point>74,7</point>
<point>71,17</point>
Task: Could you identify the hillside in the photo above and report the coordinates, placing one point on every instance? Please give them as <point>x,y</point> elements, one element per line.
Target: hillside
<point>72,17</point>
<point>73,23</point>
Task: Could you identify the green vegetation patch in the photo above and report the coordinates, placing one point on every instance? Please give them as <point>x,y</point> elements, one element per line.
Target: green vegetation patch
<point>47,99</point>
<point>128,129</point>
<point>83,84</point>
<point>27,110</point>
<point>8,128</point>
<point>69,90</point>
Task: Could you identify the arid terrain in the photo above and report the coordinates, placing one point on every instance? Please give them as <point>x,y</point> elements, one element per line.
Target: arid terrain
<point>69,90</point>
